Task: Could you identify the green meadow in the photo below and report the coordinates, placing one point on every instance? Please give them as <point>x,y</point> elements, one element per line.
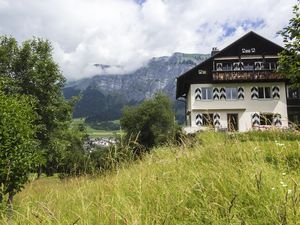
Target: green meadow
<point>95,133</point>
<point>212,178</point>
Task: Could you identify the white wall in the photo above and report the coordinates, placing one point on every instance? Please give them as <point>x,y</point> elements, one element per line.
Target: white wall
<point>245,108</point>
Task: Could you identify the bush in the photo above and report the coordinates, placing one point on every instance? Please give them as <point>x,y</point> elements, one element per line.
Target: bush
<point>18,148</point>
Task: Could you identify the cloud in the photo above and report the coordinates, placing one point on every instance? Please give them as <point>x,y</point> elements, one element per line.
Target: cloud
<point>127,33</point>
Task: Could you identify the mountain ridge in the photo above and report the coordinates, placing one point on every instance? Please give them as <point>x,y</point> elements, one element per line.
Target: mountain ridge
<point>105,94</point>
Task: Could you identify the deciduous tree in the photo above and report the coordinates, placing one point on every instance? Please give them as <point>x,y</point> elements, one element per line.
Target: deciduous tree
<point>18,146</point>
<point>289,61</point>
<point>153,121</point>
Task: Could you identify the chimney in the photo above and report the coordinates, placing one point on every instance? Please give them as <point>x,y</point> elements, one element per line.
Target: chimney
<point>214,51</point>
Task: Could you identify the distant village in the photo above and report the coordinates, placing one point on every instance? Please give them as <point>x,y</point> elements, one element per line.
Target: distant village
<point>101,142</point>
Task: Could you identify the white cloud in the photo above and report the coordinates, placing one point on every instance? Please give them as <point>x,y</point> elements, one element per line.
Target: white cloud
<point>125,33</point>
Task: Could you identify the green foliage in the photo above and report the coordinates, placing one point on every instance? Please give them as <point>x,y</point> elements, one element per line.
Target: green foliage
<point>152,121</point>
<point>289,61</point>
<point>18,147</point>
<point>32,71</point>
<point>105,125</point>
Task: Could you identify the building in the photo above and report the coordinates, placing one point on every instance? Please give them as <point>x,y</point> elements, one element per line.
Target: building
<point>238,89</point>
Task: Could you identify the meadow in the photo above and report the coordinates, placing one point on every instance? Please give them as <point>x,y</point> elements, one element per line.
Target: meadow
<point>97,133</point>
<point>212,178</point>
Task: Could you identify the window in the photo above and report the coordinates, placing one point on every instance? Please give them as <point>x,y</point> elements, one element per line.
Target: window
<point>293,93</point>
<point>248,66</point>
<point>272,66</point>
<point>207,93</point>
<point>208,120</point>
<point>259,65</point>
<point>266,118</point>
<point>294,118</point>
<point>231,93</point>
<point>264,92</point>
<point>227,66</point>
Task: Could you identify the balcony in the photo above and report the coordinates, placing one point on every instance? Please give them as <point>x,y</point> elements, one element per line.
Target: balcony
<point>244,75</point>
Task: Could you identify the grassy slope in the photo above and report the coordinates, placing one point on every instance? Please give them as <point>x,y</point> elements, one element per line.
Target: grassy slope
<point>221,179</point>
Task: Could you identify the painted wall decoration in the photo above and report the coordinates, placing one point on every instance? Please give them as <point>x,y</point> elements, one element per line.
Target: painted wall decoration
<point>241,93</point>
<point>277,119</point>
<point>275,92</point>
<point>254,93</point>
<point>216,119</point>
<point>198,94</point>
<point>216,94</point>
<point>255,119</point>
<point>199,119</point>
<point>222,93</point>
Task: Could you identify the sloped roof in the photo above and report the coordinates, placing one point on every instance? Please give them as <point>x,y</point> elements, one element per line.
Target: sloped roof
<point>250,40</point>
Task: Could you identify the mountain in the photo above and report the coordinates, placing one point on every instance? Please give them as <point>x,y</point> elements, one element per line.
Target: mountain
<point>103,96</point>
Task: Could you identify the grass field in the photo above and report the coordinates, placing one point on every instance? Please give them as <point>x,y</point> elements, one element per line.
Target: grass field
<point>97,133</point>
<point>216,178</point>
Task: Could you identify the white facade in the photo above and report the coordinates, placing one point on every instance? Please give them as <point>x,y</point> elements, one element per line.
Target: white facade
<point>248,107</point>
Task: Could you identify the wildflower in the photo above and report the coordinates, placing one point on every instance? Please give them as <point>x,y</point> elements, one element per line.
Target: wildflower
<point>283,174</point>
<point>283,184</point>
<point>273,188</point>
<point>279,144</point>
<point>289,191</point>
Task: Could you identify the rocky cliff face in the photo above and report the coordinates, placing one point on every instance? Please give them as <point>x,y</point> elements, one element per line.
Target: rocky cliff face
<point>158,75</point>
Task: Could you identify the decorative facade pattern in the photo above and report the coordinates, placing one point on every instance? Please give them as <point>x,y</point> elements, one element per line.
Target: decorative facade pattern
<point>198,94</point>
<point>199,119</point>
<point>275,92</point>
<point>222,93</point>
<point>216,94</point>
<point>241,93</point>
<point>216,119</point>
<point>277,119</point>
<point>254,93</point>
<point>255,118</point>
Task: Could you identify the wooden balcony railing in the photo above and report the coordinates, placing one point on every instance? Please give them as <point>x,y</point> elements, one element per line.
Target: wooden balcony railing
<point>246,75</point>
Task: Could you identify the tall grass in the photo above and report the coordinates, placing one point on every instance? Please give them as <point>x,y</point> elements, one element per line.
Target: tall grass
<point>215,178</point>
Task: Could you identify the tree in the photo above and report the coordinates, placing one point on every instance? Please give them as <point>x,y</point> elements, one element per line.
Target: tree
<point>18,146</point>
<point>152,121</point>
<point>34,73</point>
<point>289,61</point>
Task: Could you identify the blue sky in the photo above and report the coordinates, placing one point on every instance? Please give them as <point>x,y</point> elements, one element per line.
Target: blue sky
<point>130,32</point>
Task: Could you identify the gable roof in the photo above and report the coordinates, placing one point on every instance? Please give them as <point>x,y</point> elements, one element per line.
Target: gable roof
<point>250,40</point>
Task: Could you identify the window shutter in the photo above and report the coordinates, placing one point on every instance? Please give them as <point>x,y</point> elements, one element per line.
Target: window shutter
<point>216,119</point>
<point>254,93</point>
<point>255,119</point>
<point>198,94</point>
<point>241,66</point>
<point>241,93</point>
<point>219,67</point>
<point>222,93</point>
<point>199,119</point>
<point>216,94</point>
<point>275,92</point>
<point>277,119</point>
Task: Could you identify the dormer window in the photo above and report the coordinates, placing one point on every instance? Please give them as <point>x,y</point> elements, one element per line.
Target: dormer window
<point>219,67</point>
